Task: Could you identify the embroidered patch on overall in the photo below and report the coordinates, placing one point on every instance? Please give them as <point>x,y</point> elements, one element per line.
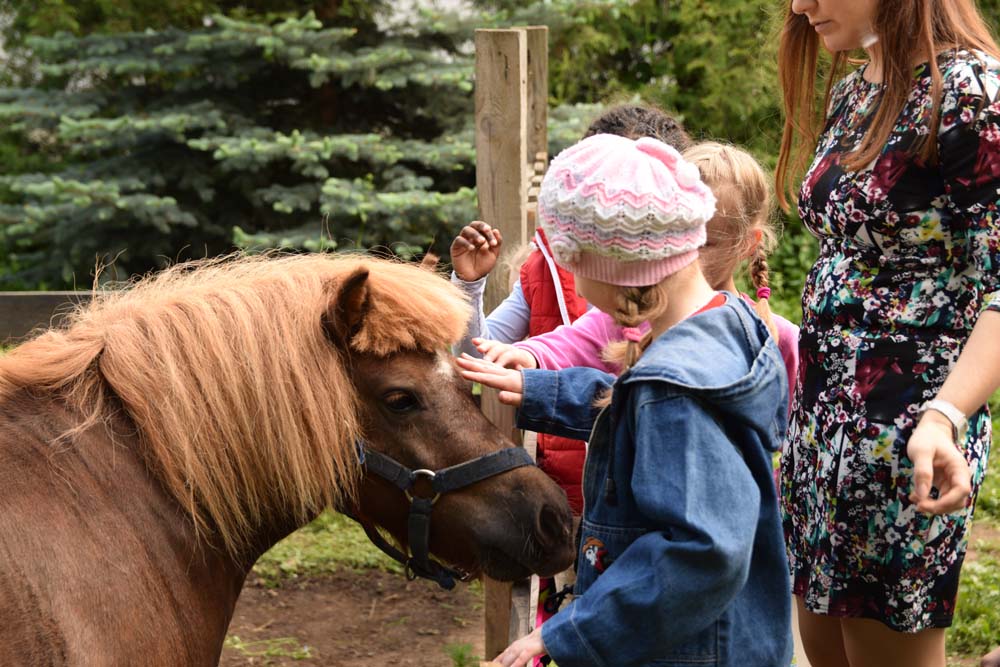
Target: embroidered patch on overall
<point>596,554</point>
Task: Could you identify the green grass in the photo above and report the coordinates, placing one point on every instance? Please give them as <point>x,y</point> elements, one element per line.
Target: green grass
<point>328,544</point>
<point>988,503</point>
<point>281,647</point>
<point>461,655</point>
<point>976,628</point>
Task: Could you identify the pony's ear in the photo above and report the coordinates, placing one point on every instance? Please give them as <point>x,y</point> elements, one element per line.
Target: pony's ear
<point>346,311</point>
<point>429,261</point>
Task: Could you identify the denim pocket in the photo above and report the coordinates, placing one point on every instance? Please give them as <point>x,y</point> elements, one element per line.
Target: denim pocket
<point>702,649</point>
<point>600,545</point>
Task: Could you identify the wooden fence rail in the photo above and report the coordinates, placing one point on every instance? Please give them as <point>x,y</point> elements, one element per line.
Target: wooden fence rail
<point>23,312</point>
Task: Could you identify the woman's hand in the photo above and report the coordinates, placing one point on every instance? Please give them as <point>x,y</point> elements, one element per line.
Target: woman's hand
<point>991,659</point>
<point>938,462</point>
<point>523,650</point>
<point>505,354</point>
<point>509,382</point>
<point>475,250</point>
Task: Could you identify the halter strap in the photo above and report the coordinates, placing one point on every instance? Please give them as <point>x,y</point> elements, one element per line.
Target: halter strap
<point>447,479</point>
<point>452,478</point>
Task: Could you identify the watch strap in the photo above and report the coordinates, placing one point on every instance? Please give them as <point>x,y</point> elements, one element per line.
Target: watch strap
<point>959,422</point>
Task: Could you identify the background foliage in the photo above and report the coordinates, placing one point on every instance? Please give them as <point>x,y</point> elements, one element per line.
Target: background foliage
<point>154,130</point>
<point>147,131</point>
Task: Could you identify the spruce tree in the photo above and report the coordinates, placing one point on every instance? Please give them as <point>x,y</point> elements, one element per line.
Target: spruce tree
<point>354,132</point>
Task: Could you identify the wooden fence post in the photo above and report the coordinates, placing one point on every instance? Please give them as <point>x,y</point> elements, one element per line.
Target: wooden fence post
<point>511,152</point>
<point>538,94</point>
<point>501,164</point>
<point>501,99</point>
<point>538,116</point>
<point>501,146</point>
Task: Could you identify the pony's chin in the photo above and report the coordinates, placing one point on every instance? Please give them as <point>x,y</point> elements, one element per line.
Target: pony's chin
<point>499,565</point>
<point>503,569</point>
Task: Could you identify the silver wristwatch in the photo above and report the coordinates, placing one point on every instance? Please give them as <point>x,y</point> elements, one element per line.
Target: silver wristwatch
<point>959,422</point>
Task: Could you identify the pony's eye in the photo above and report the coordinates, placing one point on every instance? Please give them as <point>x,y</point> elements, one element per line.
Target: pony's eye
<point>401,401</point>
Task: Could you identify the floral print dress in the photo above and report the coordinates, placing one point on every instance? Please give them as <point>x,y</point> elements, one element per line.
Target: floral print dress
<point>909,258</point>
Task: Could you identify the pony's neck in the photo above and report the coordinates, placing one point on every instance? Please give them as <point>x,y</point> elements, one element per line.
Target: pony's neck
<point>94,507</point>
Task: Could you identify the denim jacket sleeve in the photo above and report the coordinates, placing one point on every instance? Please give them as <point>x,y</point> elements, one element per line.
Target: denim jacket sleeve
<point>700,505</point>
<point>562,402</point>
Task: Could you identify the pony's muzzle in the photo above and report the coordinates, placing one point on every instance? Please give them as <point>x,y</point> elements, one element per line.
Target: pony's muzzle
<point>554,531</point>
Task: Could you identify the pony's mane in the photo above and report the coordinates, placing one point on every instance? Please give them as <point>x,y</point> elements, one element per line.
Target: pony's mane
<point>242,403</point>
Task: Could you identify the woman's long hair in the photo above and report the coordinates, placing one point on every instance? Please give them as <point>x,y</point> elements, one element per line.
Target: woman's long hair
<point>904,28</point>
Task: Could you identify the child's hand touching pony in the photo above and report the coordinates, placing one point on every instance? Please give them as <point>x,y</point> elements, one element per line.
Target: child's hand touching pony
<point>505,354</point>
<point>507,381</point>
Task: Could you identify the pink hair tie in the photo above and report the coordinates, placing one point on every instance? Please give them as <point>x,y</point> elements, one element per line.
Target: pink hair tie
<point>633,334</point>
<point>764,293</point>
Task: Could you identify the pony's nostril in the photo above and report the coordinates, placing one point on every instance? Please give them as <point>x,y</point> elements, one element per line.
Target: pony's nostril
<point>553,527</point>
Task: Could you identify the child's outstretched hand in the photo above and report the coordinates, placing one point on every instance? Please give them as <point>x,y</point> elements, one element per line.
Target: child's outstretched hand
<point>505,354</point>
<point>508,381</point>
<point>523,650</point>
<point>475,250</point>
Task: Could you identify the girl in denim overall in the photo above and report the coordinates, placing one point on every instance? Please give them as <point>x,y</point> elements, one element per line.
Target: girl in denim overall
<point>681,554</point>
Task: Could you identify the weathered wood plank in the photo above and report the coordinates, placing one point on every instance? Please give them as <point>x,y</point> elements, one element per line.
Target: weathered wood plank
<point>501,150</point>
<point>23,312</point>
<point>538,90</point>
<point>511,154</point>
<point>501,99</point>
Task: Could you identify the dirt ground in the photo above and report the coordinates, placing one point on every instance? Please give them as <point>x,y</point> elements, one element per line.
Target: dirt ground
<point>353,618</point>
<point>371,618</point>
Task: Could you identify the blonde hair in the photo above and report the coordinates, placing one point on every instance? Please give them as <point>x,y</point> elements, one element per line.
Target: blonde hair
<point>743,206</point>
<point>243,407</point>
<point>904,28</point>
<point>633,306</point>
<point>513,261</point>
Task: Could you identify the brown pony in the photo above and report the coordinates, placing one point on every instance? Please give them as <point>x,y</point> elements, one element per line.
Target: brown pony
<point>154,447</point>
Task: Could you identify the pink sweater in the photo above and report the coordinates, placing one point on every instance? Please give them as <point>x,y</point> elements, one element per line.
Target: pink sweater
<point>581,344</point>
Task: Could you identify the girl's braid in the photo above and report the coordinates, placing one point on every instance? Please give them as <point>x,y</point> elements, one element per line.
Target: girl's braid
<point>636,305</point>
<point>760,277</point>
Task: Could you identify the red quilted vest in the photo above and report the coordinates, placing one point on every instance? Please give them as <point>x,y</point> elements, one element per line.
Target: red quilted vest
<point>561,458</point>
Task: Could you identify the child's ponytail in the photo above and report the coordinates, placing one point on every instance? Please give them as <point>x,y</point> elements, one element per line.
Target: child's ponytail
<point>760,280</point>
<point>743,220</point>
<point>635,305</point>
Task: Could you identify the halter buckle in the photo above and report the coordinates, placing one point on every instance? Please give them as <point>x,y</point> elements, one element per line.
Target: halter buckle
<point>414,476</point>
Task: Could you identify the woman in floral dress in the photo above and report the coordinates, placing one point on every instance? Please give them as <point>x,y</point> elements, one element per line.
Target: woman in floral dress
<point>901,318</point>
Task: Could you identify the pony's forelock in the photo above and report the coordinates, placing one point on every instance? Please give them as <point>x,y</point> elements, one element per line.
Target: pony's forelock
<point>243,405</point>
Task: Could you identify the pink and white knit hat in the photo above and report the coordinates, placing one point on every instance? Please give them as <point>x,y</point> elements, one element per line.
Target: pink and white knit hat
<point>622,211</point>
